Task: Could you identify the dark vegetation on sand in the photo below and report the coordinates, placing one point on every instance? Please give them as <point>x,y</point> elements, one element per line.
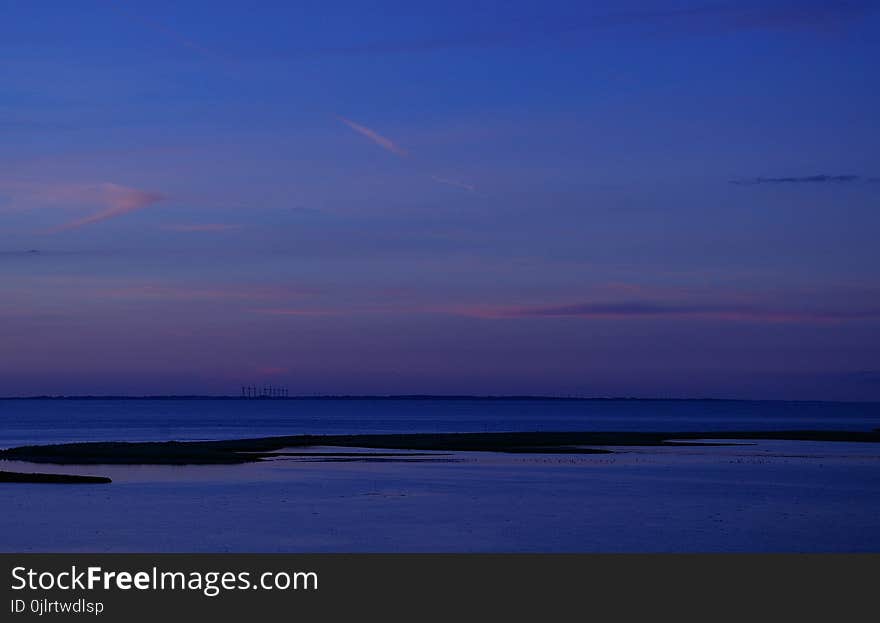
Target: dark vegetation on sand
<point>249,450</point>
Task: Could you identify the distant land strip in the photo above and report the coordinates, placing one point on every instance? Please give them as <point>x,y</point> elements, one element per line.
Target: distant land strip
<point>391,397</point>
<point>251,450</point>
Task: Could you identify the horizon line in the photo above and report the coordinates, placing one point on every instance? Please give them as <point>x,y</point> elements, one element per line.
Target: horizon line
<point>487,397</point>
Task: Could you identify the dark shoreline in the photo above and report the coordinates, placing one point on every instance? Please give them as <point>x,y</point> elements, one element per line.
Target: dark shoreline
<point>238,451</point>
<point>52,479</point>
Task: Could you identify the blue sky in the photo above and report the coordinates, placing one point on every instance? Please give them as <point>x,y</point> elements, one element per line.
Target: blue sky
<point>627,198</point>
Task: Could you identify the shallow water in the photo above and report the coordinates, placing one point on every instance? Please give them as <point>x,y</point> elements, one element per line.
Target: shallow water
<point>753,496</point>
<point>55,421</point>
<point>777,496</point>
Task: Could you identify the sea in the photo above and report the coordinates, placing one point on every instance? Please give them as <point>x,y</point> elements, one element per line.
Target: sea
<point>54,420</point>
<point>751,496</point>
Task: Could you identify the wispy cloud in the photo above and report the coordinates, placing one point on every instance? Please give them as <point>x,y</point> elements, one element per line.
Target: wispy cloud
<point>265,294</point>
<point>133,289</point>
<point>202,227</point>
<point>455,183</point>
<point>772,15</point>
<point>167,32</point>
<point>811,14</point>
<point>296,312</point>
<point>20,254</point>
<point>369,133</point>
<point>805,179</point>
<point>378,139</point>
<point>114,199</point>
<point>767,15</point>
<point>117,201</point>
<point>179,293</point>
<point>386,143</point>
<point>675,309</point>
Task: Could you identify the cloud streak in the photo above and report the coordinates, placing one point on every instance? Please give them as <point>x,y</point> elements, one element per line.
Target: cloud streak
<point>455,183</point>
<point>389,145</point>
<point>114,199</point>
<point>297,312</point>
<point>378,139</point>
<point>202,227</point>
<point>821,15</point>
<point>368,133</point>
<point>806,179</point>
<point>117,201</point>
<point>166,32</point>
<point>675,309</point>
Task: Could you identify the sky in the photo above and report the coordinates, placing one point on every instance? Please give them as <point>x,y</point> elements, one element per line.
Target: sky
<point>631,198</point>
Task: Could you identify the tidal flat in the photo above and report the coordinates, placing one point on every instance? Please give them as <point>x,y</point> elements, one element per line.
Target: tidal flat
<point>250,450</point>
<point>716,495</point>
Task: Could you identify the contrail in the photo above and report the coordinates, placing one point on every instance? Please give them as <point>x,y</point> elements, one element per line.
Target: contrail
<point>387,143</point>
<point>381,141</point>
<point>167,32</point>
<point>372,135</point>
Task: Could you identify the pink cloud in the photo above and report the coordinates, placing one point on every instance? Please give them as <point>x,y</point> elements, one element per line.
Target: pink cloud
<point>114,199</point>
<point>117,201</point>
<point>202,227</point>
<point>381,141</point>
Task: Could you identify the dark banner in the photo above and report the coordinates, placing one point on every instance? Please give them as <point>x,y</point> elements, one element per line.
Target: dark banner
<point>217,587</point>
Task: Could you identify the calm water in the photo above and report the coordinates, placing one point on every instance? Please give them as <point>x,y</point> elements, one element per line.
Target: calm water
<point>764,496</point>
<point>55,421</point>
